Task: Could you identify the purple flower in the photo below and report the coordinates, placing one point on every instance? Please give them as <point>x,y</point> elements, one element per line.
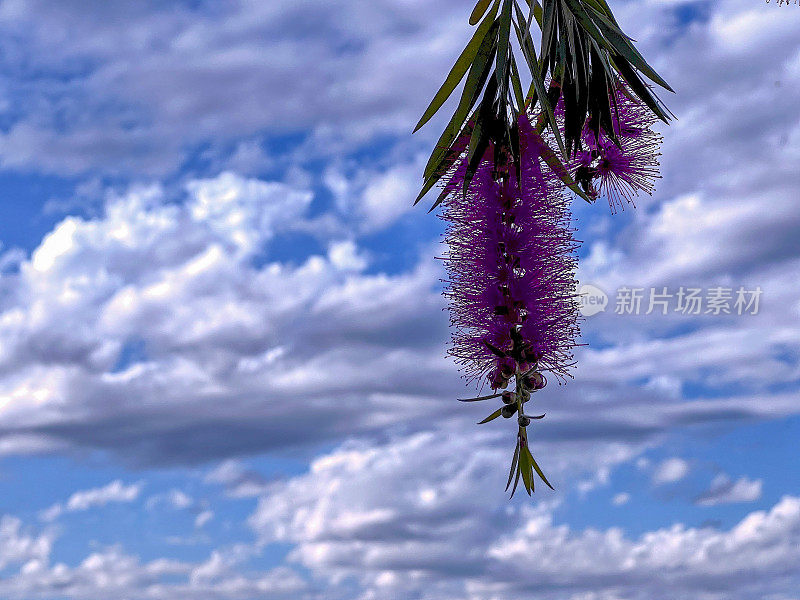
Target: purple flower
<point>621,171</point>
<point>511,267</point>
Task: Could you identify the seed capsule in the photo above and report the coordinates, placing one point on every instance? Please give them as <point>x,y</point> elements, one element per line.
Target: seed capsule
<point>508,397</point>
<point>523,421</point>
<point>508,411</point>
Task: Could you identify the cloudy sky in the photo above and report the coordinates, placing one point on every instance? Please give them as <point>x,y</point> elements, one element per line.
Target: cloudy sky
<point>222,371</point>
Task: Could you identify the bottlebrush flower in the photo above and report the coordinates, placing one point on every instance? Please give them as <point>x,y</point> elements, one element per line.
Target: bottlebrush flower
<point>621,171</point>
<point>511,267</point>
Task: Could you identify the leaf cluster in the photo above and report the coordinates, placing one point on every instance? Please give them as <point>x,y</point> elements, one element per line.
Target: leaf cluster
<point>583,52</point>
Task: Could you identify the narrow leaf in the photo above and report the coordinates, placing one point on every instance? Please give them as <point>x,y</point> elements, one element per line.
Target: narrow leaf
<point>491,417</point>
<point>556,165</point>
<point>479,398</point>
<point>516,481</point>
<point>513,466</point>
<point>536,466</point>
<point>640,89</point>
<point>624,47</point>
<point>525,467</point>
<point>537,86</point>
<point>478,11</point>
<point>479,141</point>
<point>460,68</point>
<point>502,47</point>
<point>476,79</point>
<point>517,85</point>
<point>446,162</point>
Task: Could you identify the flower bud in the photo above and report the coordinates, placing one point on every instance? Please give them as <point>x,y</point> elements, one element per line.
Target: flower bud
<point>534,381</point>
<point>508,397</point>
<point>508,410</point>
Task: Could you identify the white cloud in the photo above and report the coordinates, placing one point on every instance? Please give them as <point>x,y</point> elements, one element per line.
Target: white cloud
<point>159,83</point>
<point>202,518</point>
<point>621,499</point>
<point>116,491</point>
<point>174,498</point>
<point>113,492</point>
<point>344,255</point>
<point>18,546</point>
<point>677,562</point>
<point>238,481</point>
<point>112,572</point>
<point>723,490</point>
<point>215,328</point>
<point>670,470</point>
<point>389,195</point>
<point>392,516</point>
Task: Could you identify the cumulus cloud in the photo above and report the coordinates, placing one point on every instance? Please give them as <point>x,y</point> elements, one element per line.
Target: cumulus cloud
<point>238,481</point>
<point>140,87</point>
<point>162,330</point>
<point>723,490</point>
<point>439,533</point>
<point>670,470</point>
<point>621,499</point>
<point>175,339</point>
<point>202,518</point>
<point>174,498</point>
<point>114,492</point>
<point>224,340</point>
<point>111,571</point>
<point>18,546</point>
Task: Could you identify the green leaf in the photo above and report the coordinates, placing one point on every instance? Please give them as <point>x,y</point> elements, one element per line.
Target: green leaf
<point>478,143</point>
<point>601,8</point>
<point>536,467</point>
<point>502,46</point>
<point>516,481</point>
<point>557,166</point>
<point>638,87</point>
<point>605,9</point>
<point>517,85</point>
<point>537,86</point>
<point>513,465</point>
<point>478,11</point>
<point>610,36</point>
<point>525,468</point>
<point>481,134</point>
<point>478,73</point>
<point>491,417</point>
<point>450,157</point>
<point>624,47</point>
<point>460,68</point>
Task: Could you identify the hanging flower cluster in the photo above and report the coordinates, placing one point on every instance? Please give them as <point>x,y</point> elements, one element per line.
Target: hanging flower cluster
<point>509,164</point>
<point>511,267</point>
<point>511,258</point>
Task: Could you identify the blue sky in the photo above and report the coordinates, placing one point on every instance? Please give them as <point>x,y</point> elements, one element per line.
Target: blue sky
<point>222,370</point>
